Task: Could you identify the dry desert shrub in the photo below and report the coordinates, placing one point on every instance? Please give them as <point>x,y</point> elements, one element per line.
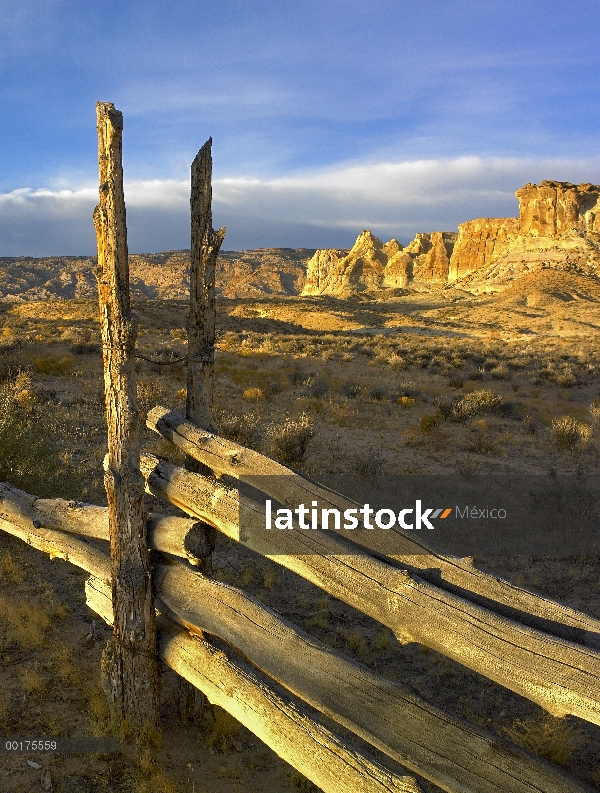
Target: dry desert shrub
<point>474,403</point>
<point>315,387</point>
<point>595,410</point>
<point>428,423</point>
<point>55,365</point>
<point>566,379</point>
<point>351,389</point>
<point>289,440</point>
<point>379,394</point>
<point>406,402</point>
<point>570,433</point>
<point>397,362</point>
<point>500,372</point>
<point>245,429</point>
<point>26,451</point>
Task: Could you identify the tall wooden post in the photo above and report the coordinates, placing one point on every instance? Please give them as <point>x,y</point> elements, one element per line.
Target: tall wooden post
<point>129,666</point>
<point>206,244</point>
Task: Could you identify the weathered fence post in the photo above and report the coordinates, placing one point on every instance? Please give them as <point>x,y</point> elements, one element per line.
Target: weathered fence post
<point>129,665</point>
<point>206,243</point>
<point>205,246</point>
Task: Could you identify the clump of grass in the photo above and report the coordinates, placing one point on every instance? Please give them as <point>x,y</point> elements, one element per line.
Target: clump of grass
<point>270,578</point>
<point>11,571</point>
<point>356,643</point>
<point>31,680</point>
<point>429,422</point>
<point>595,410</point>
<point>406,402</point>
<point>570,433</point>
<point>553,739</point>
<point>253,394</point>
<point>289,440</point>
<point>23,623</point>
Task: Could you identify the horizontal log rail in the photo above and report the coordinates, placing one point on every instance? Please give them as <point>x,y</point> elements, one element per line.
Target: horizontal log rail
<point>457,756</point>
<point>457,575</point>
<point>561,676</point>
<point>177,536</point>
<point>447,751</point>
<point>324,758</point>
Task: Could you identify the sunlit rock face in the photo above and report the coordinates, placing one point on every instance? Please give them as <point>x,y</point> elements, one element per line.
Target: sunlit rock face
<point>434,262</point>
<point>552,208</point>
<point>479,242</point>
<point>371,265</point>
<point>362,268</point>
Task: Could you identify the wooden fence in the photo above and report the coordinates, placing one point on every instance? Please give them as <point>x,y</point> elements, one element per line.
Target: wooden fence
<point>560,674</point>
<point>267,672</point>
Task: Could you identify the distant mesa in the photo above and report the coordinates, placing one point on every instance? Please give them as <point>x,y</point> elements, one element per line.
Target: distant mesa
<point>558,227</point>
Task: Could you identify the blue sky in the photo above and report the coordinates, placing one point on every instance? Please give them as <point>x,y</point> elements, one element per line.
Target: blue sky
<point>327,117</point>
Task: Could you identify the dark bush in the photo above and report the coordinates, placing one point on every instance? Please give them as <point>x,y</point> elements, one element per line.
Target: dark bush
<point>379,394</point>
<point>351,389</point>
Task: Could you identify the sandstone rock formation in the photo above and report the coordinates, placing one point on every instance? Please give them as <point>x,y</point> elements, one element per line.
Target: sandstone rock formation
<point>558,227</point>
<point>553,208</point>
<point>479,242</point>
<point>329,273</point>
<point>371,265</point>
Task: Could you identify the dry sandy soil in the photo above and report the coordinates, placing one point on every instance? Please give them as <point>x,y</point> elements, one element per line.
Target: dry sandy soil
<point>380,381</point>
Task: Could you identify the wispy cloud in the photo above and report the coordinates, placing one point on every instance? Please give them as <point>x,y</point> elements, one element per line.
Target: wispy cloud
<point>319,208</point>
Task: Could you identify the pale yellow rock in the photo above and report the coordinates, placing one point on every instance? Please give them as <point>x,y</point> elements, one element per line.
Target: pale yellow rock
<point>479,242</point>
<point>362,268</point>
<point>553,208</point>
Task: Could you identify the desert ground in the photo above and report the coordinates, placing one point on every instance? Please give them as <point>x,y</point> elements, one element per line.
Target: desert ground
<point>439,382</point>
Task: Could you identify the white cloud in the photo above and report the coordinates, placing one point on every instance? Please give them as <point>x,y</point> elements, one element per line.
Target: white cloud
<point>313,209</point>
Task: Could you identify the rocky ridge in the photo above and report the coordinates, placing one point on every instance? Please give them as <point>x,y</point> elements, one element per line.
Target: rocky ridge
<point>266,271</point>
<point>558,227</point>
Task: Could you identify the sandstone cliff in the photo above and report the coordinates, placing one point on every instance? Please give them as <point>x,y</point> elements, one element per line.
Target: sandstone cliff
<point>479,242</point>
<point>553,208</point>
<point>558,227</point>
